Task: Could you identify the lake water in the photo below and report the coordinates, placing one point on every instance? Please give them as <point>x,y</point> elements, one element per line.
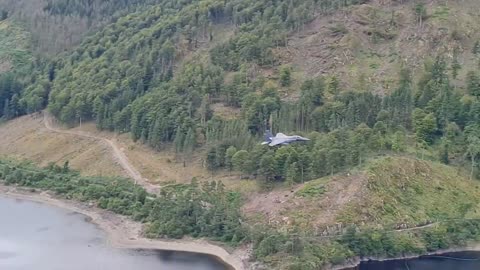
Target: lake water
<point>450,261</point>
<point>36,236</point>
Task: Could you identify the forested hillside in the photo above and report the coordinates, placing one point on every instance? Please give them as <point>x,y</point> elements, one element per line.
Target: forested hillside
<point>123,76</point>
<point>57,25</point>
<point>15,59</point>
<point>361,79</point>
<point>141,74</point>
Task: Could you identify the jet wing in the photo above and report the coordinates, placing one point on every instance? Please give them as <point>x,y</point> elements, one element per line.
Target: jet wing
<point>278,141</point>
<point>303,139</point>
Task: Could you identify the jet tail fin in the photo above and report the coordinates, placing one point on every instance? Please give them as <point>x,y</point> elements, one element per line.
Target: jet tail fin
<point>268,136</point>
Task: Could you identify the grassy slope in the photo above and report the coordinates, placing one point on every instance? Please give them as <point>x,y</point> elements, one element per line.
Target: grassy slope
<point>400,206</point>
<point>26,138</point>
<point>367,45</point>
<point>413,192</point>
<point>391,192</point>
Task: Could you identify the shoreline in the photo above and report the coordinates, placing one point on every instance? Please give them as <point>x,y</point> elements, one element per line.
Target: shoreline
<point>125,233</point>
<point>357,261</point>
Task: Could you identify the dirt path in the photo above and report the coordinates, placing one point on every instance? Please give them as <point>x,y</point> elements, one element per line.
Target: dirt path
<point>116,152</point>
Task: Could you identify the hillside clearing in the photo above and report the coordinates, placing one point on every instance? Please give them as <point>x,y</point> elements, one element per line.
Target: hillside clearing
<point>27,138</point>
<point>369,44</point>
<point>396,193</point>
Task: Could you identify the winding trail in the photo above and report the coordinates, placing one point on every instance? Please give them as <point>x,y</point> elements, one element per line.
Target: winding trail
<point>418,227</point>
<point>118,155</point>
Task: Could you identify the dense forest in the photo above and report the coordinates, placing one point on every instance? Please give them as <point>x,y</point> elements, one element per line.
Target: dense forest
<point>57,25</point>
<point>157,69</point>
<point>177,211</point>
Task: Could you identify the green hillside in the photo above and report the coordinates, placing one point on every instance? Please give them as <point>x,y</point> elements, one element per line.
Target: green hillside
<point>14,47</point>
<point>58,25</point>
<point>160,73</point>
<point>441,204</point>
<point>410,192</point>
<point>388,93</point>
<point>15,62</point>
<point>401,207</point>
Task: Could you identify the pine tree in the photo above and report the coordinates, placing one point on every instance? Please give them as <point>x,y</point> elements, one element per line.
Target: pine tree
<point>212,159</point>
<point>267,166</point>
<point>334,86</point>
<point>473,150</point>
<point>420,13</point>
<point>179,141</point>
<point>473,83</point>
<point>455,64</point>
<point>285,76</point>
<point>335,159</point>
<point>398,142</point>
<point>425,126</point>
<point>444,151</point>
<point>318,166</point>
<point>312,93</point>
<point>229,154</point>
<point>361,141</point>
<point>6,110</point>
<point>204,109</point>
<point>281,159</point>
<point>292,174</point>
<point>303,164</point>
<point>240,161</point>
<point>15,106</point>
<point>189,142</point>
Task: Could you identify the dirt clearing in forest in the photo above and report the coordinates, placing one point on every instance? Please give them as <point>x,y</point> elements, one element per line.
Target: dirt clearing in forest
<point>90,151</point>
<point>315,203</point>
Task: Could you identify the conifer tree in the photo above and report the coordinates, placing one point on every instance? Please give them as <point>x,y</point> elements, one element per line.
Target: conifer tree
<point>229,154</point>
<point>189,142</point>
<point>292,174</point>
<point>285,76</point>
<point>267,166</point>
<point>240,161</point>
<point>455,64</point>
<point>473,83</point>
<point>473,150</point>
<point>443,153</point>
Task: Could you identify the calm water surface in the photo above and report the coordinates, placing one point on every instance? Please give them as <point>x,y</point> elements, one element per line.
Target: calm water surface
<point>36,236</point>
<point>450,261</point>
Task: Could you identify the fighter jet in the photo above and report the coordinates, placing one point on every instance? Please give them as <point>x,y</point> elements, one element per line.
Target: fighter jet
<point>281,139</point>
